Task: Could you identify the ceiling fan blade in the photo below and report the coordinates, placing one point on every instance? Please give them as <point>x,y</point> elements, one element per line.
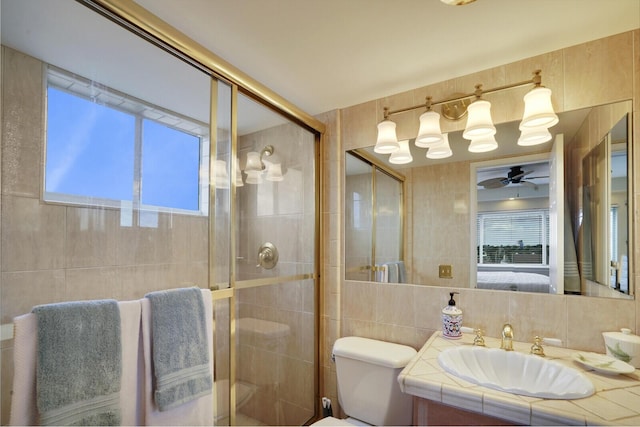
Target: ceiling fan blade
<point>529,184</point>
<point>493,183</point>
<point>520,175</point>
<point>537,177</point>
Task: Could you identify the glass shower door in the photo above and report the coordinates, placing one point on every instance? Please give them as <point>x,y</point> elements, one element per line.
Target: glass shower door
<point>275,267</point>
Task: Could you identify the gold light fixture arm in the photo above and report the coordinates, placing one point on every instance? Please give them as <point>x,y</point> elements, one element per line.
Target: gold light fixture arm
<point>536,80</point>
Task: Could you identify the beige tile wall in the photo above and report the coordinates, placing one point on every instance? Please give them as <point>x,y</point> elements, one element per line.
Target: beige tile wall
<point>53,253</point>
<point>590,74</point>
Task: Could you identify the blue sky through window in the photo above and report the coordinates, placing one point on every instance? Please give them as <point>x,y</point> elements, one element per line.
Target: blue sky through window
<point>91,152</point>
<point>90,148</point>
<point>170,164</point>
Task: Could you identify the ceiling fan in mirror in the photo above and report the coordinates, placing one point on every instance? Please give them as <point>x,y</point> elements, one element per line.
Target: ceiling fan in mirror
<point>516,175</point>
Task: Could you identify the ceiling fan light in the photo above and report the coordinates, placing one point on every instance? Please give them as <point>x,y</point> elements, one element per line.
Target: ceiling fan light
<point>441,150</point>
<point>483,144</point>
<point>534,136</point>
<point>429,133</point>
<point>479,122</point>
<point>538,110</point>
<point>387,141</point>
<point>403,155</point>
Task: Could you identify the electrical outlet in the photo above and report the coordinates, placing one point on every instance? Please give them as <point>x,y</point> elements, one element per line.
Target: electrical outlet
<point>445,271</point>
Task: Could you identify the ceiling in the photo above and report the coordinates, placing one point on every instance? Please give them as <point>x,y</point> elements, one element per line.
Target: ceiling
<point>328,54</point>
<point>318,54</point>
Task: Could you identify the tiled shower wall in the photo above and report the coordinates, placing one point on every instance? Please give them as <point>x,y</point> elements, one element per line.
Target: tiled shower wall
<point>590,74</point>
<point>277,322</point>
<point>53,253</point>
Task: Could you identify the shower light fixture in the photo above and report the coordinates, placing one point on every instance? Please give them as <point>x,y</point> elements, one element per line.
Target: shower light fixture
<point>221,177</point>
<point>238,174</point>
<point>480,130</point>
<point>256,166</point>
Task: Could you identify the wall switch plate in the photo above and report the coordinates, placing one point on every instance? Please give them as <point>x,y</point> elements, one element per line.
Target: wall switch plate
<point>445,272</point>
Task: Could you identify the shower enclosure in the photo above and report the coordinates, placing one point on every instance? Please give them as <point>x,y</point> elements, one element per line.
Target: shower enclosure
<point>130,165</point>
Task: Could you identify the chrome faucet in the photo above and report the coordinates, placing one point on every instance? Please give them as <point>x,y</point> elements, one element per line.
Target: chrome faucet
<point>507,337</point>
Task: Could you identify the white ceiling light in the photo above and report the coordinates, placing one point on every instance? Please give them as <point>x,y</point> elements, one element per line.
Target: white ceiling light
<point>441,150</point>
<point>479,122</point>
<point>403,155</point>
<point>483,144</point>
<point>429,133</point>
<point>538,110</point>
<point>387,141</point>
<point>533,136</point>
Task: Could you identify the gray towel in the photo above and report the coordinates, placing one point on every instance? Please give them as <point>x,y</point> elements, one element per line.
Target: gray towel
<point>179,347</point>
<point>402,272</point>
<point>79,363</point>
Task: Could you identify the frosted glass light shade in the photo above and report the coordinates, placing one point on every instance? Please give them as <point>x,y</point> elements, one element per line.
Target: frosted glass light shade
<point>429,133</point>
<point>403,155</point>
<point>479,122</point>
<point>483,144</point>
<point>253,162</point>
<point>538,110</point>
<point>238,174</point>
<point>253,177</point>
<point>387,141</point>
<point>221,176</point>
<point>534,136</point>
<point>274,172</point>
<point>441,150</point>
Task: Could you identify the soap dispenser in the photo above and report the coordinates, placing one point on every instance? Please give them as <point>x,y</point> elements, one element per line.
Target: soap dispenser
<point>452,319</point>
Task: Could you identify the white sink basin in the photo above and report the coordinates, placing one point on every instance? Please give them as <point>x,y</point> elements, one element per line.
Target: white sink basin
<point>516,373</point>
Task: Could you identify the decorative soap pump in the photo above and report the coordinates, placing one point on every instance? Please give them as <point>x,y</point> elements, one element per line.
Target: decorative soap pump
<point>452,320</point>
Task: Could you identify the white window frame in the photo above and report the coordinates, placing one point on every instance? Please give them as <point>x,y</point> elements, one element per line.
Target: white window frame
<point>84,88</point>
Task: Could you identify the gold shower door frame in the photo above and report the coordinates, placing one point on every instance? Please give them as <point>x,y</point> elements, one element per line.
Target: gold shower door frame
<point>140,21</point>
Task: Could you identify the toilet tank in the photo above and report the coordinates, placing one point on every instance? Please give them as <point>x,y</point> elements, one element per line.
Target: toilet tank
<point>368,388</point>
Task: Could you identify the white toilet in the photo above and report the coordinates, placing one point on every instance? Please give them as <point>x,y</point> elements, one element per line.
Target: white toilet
<point>368,388</point>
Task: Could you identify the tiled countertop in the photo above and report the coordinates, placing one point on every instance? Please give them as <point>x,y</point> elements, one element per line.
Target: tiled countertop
<point>616,401</point>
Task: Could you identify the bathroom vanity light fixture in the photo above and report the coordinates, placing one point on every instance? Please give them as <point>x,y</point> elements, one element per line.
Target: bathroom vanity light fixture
<point>256,166</point>
<point>403,155</point>
<point>442,150</point>
<point>480,130</point>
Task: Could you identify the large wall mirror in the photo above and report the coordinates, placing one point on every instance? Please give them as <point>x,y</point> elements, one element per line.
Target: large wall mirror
<point>551,218</point>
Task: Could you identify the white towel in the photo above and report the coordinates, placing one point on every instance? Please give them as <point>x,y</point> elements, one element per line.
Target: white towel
<point>131,393</point>
<point>23,402</point>
<point>196,412</point>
